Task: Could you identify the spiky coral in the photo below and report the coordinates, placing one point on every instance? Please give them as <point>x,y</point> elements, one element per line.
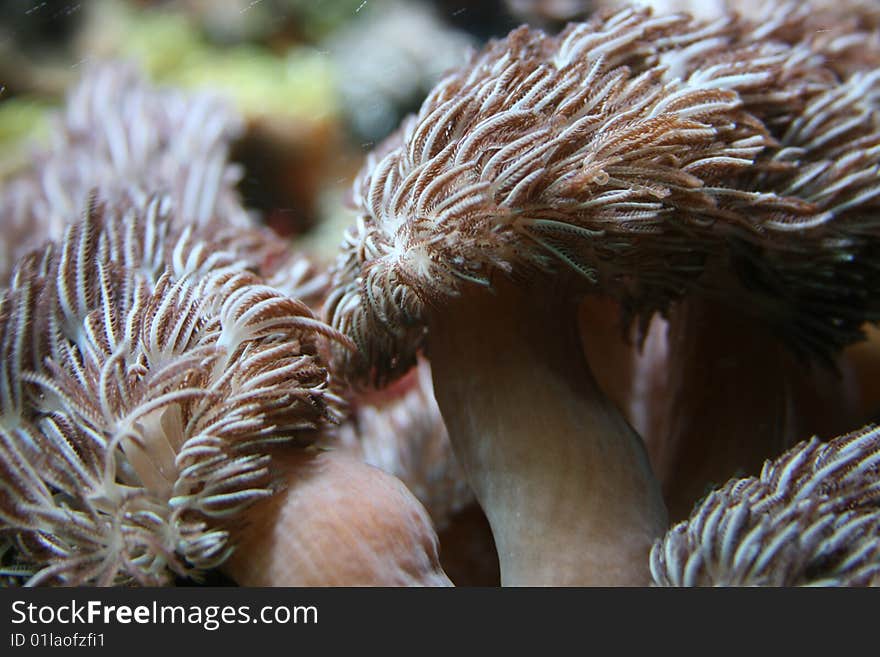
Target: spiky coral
<point>812,518</point>
<point>143,370</point>
<point>839,27</point>
<point>650,154</point>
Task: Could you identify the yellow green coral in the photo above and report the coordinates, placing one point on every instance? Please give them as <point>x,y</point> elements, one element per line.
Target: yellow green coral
<point>298,83</point>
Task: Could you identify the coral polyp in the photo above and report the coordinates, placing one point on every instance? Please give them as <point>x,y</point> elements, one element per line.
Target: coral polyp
<point>144,374</point>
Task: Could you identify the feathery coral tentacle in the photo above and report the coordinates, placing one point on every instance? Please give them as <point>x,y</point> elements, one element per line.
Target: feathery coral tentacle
<point>647,154</point>
<point>134,435</point>
<point>811,518</point>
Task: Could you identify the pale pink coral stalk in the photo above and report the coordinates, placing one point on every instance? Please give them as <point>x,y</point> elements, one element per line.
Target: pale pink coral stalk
<point>336,521</point>
<point>551,460</point>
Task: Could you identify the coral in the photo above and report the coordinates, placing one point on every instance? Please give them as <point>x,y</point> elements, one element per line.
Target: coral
<point>402,433</point>
<point>652,156</point>
<point>143,372</point>
<point>812,518</point>
<point>128,140</point>
<point>388,59</point>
